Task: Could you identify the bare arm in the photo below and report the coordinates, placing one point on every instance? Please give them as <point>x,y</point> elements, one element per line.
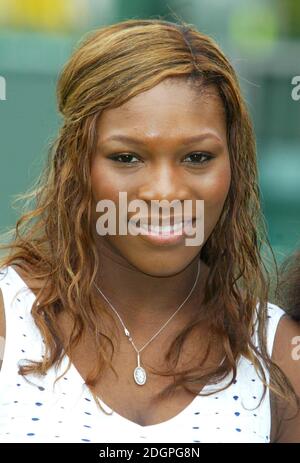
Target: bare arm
<point>2,328</point>
<point>286,354</point>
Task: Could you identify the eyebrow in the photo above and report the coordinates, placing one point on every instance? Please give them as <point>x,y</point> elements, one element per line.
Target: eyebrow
<point>185,141</point>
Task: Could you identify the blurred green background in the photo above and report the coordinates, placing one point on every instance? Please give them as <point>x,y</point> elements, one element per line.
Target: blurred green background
<point>261,37</point>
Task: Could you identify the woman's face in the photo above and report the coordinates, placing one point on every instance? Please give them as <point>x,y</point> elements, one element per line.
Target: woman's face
<point>159,161</point>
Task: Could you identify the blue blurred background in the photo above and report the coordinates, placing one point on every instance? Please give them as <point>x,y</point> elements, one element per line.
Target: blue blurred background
<point>261,37</point>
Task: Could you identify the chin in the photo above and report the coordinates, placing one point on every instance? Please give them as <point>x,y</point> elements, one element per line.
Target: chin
<point>157,261</point>
<point>161,265</point>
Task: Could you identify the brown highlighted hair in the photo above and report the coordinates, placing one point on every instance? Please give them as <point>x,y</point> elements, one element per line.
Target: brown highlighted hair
<point>54,242</point>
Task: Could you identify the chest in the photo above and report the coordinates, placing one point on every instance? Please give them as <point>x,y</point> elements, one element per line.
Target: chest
<point>140,404</point>
<point>117,388</point>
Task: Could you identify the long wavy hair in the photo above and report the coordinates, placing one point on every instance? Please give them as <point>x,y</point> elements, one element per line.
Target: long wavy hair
<point>53,240</point>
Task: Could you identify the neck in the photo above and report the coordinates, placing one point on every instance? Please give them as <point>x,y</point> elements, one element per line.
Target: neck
<point>144,300</point>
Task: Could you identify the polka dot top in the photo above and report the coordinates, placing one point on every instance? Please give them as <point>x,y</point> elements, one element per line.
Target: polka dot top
<point>39,411</point>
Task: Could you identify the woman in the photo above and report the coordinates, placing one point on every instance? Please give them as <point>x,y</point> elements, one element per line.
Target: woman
<point>132,327</point>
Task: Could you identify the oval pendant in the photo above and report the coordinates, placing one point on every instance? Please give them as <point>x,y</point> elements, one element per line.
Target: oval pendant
<point>140,376</point>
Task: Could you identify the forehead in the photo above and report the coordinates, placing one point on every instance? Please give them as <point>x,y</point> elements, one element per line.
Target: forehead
<point>173,106</point>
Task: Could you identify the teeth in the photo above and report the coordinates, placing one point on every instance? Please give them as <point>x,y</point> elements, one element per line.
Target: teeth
<point>163,229</point>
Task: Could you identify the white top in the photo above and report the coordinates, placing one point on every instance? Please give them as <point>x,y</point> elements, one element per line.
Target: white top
<point>36,412</point>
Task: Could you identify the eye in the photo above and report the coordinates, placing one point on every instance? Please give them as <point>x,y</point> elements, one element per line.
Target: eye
<point>124,158</point>
<point>199,158</point>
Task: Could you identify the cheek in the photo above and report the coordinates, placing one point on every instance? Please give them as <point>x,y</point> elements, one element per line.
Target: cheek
<point>218,185</point>
<point>102,183</point>
<point>214,192</point>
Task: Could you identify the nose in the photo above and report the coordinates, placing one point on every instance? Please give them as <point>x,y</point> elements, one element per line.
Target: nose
<point>164,182</point>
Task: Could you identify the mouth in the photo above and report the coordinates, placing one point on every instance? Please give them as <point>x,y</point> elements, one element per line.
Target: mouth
<point>175,228</point>
<point>167,234</point>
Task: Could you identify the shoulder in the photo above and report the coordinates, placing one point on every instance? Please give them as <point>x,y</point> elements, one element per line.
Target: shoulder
<point>286,349</point>
<point>16,275</point>
<point>3,274</point>
<point>2,316</point>
<point>2,327</point>
<point>286,355</point>
<point>274,315</point>
<point>10,283</point>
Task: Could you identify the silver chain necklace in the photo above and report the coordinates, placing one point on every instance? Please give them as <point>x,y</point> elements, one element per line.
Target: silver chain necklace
<point>139,373</point>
